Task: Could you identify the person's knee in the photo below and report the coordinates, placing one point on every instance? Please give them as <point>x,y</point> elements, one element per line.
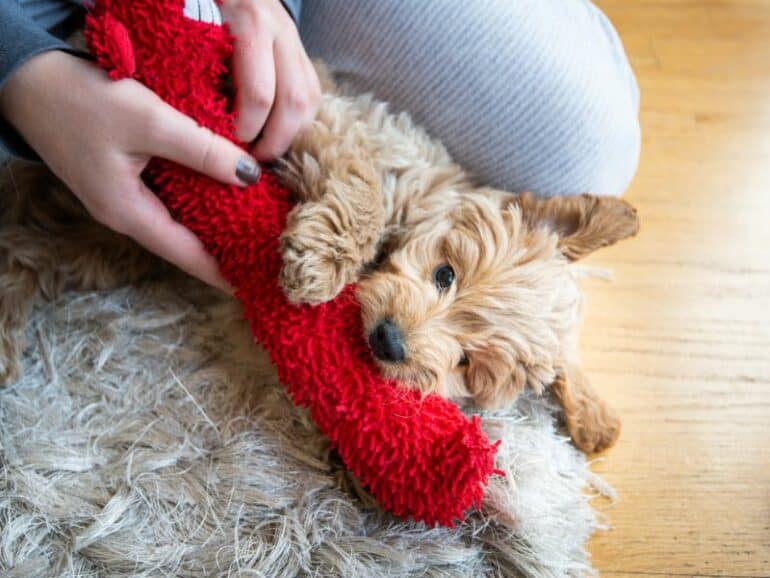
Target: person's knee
<point>540,97</point>
<point>585,134</point>
<point>604,154</point>
<point>618,165</point>
<point>609,125</point>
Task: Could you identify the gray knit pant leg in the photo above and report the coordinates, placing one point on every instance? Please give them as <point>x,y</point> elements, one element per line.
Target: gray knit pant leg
<point>526,94</point>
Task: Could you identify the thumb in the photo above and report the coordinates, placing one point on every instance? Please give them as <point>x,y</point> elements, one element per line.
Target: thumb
<point>177,137</point>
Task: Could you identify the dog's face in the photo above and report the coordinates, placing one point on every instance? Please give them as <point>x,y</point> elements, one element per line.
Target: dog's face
<point>483,302</point>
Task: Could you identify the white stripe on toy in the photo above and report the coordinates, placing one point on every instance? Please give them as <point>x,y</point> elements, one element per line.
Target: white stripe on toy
<point>203,10</point>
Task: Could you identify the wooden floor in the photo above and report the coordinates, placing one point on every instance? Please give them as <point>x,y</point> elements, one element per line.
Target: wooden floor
<point>680,342</point>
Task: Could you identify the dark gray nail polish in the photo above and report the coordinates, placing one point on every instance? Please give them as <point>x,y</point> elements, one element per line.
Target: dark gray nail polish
<point>247,170</point>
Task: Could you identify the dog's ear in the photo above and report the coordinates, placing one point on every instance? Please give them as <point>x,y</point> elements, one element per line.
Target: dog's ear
<point>492,382</point>
<point>584,223</point>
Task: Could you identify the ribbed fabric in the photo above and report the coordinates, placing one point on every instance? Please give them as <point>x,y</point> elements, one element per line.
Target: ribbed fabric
<point>48,13</point>
<point>526,94</point>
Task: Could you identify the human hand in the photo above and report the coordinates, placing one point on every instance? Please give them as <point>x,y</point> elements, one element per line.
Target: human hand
<point>97,136</point>
<point>278,91</point>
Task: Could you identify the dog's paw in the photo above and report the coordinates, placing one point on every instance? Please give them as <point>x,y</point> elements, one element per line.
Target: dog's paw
<point>309,275</point>
<point>317,263</point>
<point>599,436</point>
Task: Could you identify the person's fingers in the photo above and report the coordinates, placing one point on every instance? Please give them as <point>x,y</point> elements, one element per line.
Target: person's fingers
<point>292,109</point>
<point>254,72</point>
<point>149,223</point>
<point>176,137</point>
<point>315,85</point>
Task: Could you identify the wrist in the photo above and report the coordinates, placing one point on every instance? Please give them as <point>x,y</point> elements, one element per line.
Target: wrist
<point>26,83</point>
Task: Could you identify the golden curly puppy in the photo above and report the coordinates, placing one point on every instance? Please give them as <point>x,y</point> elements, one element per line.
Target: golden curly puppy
<point>466,292</point>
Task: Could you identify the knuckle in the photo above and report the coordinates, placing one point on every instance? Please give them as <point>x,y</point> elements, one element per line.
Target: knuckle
<point>316,94</point>
<point>208,152</point>
<point>256,15</point>
<point>154,124</point>
<point>314,82</point>
<point>315,104</point>
<point>258,95</point>
<point>297,100</point>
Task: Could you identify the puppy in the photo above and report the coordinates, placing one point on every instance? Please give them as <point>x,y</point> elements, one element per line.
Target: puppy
<point>465,291</point>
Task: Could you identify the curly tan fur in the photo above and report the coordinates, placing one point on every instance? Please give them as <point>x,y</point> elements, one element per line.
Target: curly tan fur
<point>383,204</point>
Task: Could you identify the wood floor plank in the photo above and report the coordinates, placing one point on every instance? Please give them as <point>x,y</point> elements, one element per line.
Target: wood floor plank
<point>679,343</point>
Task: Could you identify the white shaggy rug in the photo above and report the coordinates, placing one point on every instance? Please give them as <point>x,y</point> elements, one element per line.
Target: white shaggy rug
<point>148,437</point>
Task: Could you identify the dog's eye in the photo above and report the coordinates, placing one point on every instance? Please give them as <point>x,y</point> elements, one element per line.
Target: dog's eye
<point>444,276</point>
<point>463,360</point>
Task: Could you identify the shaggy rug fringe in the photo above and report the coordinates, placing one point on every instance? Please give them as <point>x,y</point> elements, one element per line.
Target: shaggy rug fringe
<point>149,437</point>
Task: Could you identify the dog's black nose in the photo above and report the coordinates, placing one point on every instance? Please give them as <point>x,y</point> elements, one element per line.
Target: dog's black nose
<point>387,342</point>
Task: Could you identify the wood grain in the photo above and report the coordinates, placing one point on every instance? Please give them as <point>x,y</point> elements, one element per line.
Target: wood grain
<point>680,342</point>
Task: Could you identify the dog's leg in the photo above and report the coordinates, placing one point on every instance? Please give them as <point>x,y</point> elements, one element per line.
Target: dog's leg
<point>328,241</point>
<point>592,424</point>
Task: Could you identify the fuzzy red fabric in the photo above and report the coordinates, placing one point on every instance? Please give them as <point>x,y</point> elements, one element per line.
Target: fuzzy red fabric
<point>419,457</point>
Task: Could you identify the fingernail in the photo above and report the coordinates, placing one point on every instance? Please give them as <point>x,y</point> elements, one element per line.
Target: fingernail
<point>247,170</point>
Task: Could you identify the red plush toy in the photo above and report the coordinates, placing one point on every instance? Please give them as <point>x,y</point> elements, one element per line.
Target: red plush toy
<point>419,457</point>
